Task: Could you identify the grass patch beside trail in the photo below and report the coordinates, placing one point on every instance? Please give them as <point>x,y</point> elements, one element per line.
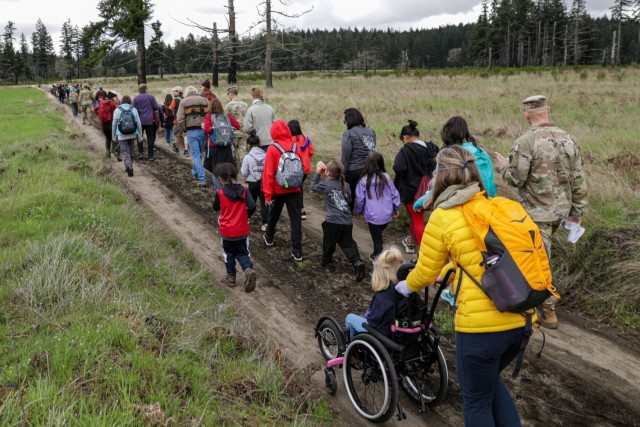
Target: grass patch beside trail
<point>103,316</point>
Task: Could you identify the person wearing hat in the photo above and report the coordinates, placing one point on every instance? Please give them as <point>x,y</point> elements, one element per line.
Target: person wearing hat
<point>177,130</point>
<point>545,165</point>
<point>237,109</point>
<point>205,90</point>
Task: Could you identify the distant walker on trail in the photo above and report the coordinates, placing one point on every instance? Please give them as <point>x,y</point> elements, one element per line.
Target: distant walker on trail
<point>545,164</point>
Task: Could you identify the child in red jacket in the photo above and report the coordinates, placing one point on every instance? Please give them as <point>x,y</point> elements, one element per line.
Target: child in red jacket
<point>306,146</point>
<point>276,196</point>
<point>236,206</point>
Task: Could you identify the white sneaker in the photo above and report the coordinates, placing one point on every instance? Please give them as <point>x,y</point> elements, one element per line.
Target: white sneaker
<point>409,247</point>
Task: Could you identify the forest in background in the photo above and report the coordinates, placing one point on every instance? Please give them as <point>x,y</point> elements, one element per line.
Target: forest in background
<point>508,33</point>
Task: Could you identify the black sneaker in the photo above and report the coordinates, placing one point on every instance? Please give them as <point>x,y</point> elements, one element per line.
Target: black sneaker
<point>175,150</point>
<point>373,257</point>
<point>361,270</point>
<point>267,240</point>
<point>329,266</point>
<point>296,254</point>
<point>186,153</point>
<point>129,171</point>
<point>140,157</point>
<point>151,159</point>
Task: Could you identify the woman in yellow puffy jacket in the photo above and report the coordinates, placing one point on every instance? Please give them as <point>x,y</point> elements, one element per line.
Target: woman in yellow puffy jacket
<point>486,339</point>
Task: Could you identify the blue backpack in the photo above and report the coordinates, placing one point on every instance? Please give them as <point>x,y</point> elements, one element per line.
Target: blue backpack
<point>127,122</point>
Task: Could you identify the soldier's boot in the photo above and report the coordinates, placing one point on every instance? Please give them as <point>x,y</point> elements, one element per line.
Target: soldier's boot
<point>549,319</point>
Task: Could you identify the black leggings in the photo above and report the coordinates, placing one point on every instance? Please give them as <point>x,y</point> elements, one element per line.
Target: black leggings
<point>352,177</point>
<point>376,235</point>
<point>256,192</point>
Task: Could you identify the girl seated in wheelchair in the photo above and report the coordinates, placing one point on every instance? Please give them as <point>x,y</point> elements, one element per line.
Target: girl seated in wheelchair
<point>380,312</point>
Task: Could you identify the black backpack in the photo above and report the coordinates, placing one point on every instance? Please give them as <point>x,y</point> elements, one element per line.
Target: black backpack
<point>127,122</point>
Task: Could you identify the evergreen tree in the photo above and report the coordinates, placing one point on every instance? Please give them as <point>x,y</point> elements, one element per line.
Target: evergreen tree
<point>25,69</point>
<point>66,47</point>
<point>125,19</point>
<point>43,50</point>
<point>8,60</point>
<point>156,49</point>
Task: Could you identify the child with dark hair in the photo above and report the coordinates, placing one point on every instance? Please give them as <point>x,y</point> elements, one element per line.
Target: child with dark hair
<point>306,146</point>
<point>167,123</point>
<point>236,206</point>
<point>338,227</point>
<point>377,198</point>
<point>252,167</point>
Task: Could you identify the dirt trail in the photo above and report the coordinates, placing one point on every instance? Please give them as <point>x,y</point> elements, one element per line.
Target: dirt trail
<point>582,378</point>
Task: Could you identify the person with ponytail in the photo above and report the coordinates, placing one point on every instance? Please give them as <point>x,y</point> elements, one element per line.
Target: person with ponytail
<point>487,340</point>
<point>337,228</point>
<point>415,159</point>
<point>236,207</point>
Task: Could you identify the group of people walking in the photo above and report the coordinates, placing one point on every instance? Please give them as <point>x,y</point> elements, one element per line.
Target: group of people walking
<point>545,165</point>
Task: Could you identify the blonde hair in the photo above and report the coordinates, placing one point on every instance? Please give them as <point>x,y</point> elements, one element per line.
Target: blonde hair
<point>257,93</point>
<point>456,166</point>
<point>385,269</point>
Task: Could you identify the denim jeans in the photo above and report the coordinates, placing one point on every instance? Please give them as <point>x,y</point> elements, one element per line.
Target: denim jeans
<point>354,323</point>
<point>195,138</point>
<point>169,135</point>
<point>479,360</point>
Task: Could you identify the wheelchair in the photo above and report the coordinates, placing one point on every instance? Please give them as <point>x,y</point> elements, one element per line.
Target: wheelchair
<point>375,366</point>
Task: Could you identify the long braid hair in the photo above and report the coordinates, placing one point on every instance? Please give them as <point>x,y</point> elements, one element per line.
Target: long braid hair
<point>374,166</point>
<point>228,173</point>
<point>335,168</point>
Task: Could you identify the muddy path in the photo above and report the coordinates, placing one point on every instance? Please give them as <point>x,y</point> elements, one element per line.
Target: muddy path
<point>583,378</point>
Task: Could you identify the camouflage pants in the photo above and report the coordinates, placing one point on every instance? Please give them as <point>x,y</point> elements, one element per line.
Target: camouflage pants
<point>239,147</point>
<point>546,230</point>
<point>87,109</point>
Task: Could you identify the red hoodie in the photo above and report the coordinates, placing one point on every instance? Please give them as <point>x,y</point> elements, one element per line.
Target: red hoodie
<point>281,134</point>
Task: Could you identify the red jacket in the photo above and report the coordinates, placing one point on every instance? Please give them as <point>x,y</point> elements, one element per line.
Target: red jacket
<point>281,134</point>
<point>208,128</point>
<point>236,206</point>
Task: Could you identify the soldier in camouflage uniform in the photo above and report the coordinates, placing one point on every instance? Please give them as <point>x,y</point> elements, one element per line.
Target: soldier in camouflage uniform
<point>86,104</point>
<point>237,109</point>
<point>545,164</point>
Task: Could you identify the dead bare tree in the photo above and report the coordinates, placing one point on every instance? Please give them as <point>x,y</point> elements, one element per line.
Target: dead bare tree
<point>271,17</point>
<point>232,74</point>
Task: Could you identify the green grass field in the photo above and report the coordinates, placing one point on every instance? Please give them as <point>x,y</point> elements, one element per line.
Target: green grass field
<point>103,314</point>
<point>597,106</point>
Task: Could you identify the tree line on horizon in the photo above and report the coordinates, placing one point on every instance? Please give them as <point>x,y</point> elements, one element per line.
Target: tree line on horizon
<point>508,33</point>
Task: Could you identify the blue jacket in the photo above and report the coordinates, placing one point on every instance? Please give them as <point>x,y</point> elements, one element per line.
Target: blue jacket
<point>115,132</point>
<point>376,210</point>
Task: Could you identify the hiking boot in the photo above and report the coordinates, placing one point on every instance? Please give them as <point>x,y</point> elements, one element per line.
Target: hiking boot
<point>129,171</point>
<point>548,319</point>
<point>229,280</point>
<point>201,184</point>
<point>186,153</point>
<point>409,247</point>
<point>250,277</point>
<point>296,254</point>
<point>361,270</point>
<point>267,240</point>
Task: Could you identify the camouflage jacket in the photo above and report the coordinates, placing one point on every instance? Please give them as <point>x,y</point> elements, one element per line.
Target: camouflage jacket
<point>237,109</point>
<point>545,164</point>
<point>86,97</point>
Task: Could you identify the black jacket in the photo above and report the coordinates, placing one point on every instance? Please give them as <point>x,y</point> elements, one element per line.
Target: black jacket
<point>413,161</point>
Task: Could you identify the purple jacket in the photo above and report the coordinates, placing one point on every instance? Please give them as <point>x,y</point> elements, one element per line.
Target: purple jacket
<point>377,210</point>
<point>145,104</point>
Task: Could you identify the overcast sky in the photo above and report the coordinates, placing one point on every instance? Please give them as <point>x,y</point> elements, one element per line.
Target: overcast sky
<point>396,14</point>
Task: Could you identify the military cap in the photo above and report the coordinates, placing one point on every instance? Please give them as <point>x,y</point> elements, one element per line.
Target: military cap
<point>232,89</point>
<point>535,101</point>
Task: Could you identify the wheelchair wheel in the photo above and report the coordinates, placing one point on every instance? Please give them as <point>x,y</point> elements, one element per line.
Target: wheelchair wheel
<point>370,378</point>
<point>428,376</point>
<point>330,340</point>
<point>330,381</point>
